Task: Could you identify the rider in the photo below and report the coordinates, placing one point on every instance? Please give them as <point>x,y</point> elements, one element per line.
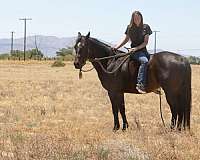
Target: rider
<point>138,33</point>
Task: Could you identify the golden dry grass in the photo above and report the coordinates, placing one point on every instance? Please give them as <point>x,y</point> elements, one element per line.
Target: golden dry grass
<point>48,113</point>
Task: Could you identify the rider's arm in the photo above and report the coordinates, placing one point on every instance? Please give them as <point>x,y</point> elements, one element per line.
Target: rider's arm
<point>123,42</point>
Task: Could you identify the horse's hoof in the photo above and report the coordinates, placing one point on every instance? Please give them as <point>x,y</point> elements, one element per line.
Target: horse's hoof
<point>124,127</point>
<point>116,128</point>
<point>172,128</point>
<point>179,129</point>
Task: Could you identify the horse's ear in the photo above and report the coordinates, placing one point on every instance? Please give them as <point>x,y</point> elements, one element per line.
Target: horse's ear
<point>79,34</point>
<point>88,35</point>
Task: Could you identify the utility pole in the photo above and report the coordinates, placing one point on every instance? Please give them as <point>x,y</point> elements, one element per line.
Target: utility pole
<point>36,49</point>
<point>155,40</point>
<point>25,19</point>
<point>11,48</point>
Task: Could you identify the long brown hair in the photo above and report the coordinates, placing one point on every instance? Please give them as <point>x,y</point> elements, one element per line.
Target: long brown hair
<point>132,23</point>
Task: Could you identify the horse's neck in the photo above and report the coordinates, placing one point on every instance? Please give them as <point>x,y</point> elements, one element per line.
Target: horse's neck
<point>99,69</point>
<point>100,51</point>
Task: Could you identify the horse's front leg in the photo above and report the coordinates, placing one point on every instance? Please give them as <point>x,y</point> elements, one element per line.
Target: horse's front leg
<point>122,111</point>
<point>115,110</point>
<point>117,100</point>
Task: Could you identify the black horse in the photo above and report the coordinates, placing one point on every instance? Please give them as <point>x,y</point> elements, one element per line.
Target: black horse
<point>170,71</point>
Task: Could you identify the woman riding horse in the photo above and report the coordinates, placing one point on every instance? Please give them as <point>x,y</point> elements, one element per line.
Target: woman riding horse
<point>170,71</point>
<point>138,33</point>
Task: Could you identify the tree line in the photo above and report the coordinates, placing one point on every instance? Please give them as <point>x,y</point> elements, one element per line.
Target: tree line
<point>194,60</point>
<point>32,54</point>
<point>65,54</point>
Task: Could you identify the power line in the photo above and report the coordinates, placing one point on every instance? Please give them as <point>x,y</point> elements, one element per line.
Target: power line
<point>25,19</point>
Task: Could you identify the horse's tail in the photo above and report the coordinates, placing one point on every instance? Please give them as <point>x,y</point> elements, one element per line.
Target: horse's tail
<point>186,96</point>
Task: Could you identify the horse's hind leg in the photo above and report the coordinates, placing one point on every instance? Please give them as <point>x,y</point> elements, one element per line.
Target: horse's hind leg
<point>172,101</point>
<point>177,107</point>
<point>180,118</point>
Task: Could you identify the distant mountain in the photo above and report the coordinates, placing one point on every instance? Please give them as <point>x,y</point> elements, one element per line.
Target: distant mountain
<point>47,44</point>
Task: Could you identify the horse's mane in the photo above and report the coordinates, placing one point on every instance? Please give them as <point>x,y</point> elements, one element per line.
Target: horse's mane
<point>103,44</point>
<point>100,43</point>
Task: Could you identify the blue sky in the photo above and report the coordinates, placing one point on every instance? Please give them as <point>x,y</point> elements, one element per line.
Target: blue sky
<point>177,20</point>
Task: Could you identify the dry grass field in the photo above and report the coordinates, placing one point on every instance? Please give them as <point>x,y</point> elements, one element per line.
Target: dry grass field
<point>48,113</point>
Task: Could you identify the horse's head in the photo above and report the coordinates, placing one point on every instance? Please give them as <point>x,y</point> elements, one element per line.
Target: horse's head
<point>81,49</point>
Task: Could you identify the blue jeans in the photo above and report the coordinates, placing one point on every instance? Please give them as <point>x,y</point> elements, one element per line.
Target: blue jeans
<point>142,58</point>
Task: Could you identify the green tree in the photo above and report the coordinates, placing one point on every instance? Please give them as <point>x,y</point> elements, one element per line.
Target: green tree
<point>65,54</point>
<point>194,60</point>
<point>35,54</point>
<point>64,51</point>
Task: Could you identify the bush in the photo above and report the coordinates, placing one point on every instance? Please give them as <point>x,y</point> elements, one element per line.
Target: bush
<point>4,56</point>
<point>58,63</point>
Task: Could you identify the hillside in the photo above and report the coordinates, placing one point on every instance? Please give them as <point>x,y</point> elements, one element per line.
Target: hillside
<point>47,44</point>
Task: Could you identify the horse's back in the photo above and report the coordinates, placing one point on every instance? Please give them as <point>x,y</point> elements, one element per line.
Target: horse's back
<point>169,58</point>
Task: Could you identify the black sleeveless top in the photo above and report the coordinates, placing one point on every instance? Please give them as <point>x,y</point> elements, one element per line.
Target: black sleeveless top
<point>137,35</point>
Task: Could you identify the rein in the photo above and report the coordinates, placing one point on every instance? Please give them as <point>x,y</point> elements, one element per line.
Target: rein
<point>116,68</point>
<point>109,57</point>
<point>98,60</point>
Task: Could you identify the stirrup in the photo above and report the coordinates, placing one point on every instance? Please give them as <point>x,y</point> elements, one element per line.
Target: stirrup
<point>140,88</point>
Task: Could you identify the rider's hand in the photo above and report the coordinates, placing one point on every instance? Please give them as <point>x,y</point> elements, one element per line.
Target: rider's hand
<point>132,50</point>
